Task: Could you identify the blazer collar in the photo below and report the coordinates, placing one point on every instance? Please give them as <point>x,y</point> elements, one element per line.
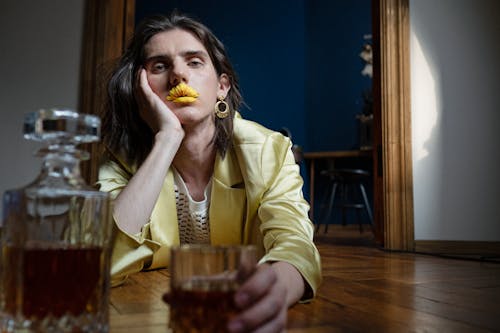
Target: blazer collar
<point>227,170</point>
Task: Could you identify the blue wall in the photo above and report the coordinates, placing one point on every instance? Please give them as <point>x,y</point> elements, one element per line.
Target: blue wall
<point>335,86</point>
<point>297,60</point>
<point>265,42</point>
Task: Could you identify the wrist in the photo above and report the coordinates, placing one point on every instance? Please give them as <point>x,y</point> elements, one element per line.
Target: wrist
<point>292,279</point>
<point>171,136</point>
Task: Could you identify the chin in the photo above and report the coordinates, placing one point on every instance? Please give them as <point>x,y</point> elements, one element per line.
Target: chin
<point>185,114</point>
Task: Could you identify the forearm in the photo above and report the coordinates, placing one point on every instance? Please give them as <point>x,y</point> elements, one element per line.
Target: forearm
<point>290,277</point>
<point>133,206</point>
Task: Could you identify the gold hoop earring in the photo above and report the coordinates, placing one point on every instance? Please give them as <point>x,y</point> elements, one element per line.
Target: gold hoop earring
<point>221,108</point>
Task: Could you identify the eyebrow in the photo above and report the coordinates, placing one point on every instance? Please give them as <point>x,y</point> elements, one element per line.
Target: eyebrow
<point>199,53</point>
<point>185,54</point>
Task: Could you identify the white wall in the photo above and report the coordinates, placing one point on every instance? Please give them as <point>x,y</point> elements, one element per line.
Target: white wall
<point>455,92</point>
<point>40,45</point>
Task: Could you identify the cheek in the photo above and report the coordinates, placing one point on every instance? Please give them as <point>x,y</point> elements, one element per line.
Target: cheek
<point>211,90</point>
<point>208,82</point>
<point>158,84</point>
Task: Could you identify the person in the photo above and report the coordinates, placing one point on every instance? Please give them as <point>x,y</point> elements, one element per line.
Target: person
<point>185,167</point>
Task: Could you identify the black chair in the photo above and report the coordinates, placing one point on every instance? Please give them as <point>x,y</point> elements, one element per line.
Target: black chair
<point>298,153</point>
<point>348,183</point>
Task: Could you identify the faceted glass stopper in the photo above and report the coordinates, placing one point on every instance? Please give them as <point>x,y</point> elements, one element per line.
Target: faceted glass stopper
<point>55,125</point>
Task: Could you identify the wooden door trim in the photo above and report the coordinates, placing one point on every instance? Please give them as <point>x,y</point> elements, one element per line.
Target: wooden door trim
<point>110,23</point>
<point>396,125</point>
<point>107,27</point>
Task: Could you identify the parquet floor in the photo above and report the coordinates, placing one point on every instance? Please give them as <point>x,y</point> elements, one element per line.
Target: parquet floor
<point>366,289</point>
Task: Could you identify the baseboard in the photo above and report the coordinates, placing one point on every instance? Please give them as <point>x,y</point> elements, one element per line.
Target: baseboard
<point>459,248</point>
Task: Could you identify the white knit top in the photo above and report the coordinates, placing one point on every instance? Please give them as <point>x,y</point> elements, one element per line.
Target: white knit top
<point>192,216</point>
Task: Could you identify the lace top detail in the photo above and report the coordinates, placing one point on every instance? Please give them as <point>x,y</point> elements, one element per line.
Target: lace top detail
<point>192,216</point>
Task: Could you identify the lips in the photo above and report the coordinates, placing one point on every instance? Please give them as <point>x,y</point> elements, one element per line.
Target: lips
<point>182,94</point>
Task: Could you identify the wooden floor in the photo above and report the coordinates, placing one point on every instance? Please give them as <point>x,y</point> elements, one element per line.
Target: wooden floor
<point>379,291</point>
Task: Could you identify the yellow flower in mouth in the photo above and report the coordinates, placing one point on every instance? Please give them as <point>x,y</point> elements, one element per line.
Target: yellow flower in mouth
<point>183,94</point>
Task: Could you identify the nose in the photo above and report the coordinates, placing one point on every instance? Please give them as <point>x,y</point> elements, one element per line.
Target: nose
<point>177,74</point>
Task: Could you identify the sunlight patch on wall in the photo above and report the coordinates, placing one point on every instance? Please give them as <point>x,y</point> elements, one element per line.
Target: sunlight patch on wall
<point>425,99</point>
<point>426,95</point>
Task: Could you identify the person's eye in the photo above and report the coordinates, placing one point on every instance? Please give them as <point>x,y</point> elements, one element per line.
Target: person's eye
<point>158,67</point>
<point>195,63</point>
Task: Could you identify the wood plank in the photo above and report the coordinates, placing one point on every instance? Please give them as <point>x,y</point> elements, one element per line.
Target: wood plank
<point>157,322</point>
<point>395,309</point>
<point>141,293</point>
<point>330,313</point>
<point>455,307</point>
<point>364,289</point>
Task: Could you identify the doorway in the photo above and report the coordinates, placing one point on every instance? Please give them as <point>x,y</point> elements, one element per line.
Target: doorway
<point>108,26</point>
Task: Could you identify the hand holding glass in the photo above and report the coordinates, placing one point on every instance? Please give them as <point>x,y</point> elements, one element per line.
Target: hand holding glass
<point>203,280</point>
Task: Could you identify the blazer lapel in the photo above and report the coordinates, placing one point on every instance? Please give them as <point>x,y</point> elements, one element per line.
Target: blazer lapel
<point>228,201</point>
<point>165,229</point>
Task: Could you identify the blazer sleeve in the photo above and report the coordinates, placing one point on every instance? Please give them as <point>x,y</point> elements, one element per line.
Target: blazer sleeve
<point>131,252</point>
<point>286,228</point>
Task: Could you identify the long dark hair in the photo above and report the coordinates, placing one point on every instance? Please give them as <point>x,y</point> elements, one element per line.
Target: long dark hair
<point>123,130</point>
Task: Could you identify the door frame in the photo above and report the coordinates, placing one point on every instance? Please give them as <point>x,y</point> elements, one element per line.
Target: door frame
<point>394,152</point>
<point>110,23</point>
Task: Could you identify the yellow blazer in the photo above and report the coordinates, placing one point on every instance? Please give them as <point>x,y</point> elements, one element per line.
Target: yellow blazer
<point>256,199</point>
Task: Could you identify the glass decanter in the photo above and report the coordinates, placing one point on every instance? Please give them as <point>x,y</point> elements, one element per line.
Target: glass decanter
<point>57,236</point>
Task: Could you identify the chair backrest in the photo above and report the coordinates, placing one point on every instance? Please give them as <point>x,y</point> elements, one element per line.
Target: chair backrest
<point>297,150</point>
<point>298,153</point>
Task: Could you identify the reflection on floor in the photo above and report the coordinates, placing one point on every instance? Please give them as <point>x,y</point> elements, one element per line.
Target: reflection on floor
<point>366,289</point>
<point>345,235</point>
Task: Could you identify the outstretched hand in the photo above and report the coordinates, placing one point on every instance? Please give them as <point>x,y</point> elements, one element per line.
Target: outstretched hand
<point>262,300</point>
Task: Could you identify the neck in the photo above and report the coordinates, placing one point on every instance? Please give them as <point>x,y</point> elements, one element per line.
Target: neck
<point>195,161</point>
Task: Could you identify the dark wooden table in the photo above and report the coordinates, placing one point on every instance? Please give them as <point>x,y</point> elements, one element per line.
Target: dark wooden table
<point>311,157</point>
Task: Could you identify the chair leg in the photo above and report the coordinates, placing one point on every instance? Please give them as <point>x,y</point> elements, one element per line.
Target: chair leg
<point>344,219</point>
<point>330,206</point>
<point>360,222</point>
<point>367,205</point>
<point>344,195</point>
<point>324,208</point>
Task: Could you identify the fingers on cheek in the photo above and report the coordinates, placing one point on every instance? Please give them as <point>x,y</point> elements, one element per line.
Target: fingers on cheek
<point>139,80</point>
